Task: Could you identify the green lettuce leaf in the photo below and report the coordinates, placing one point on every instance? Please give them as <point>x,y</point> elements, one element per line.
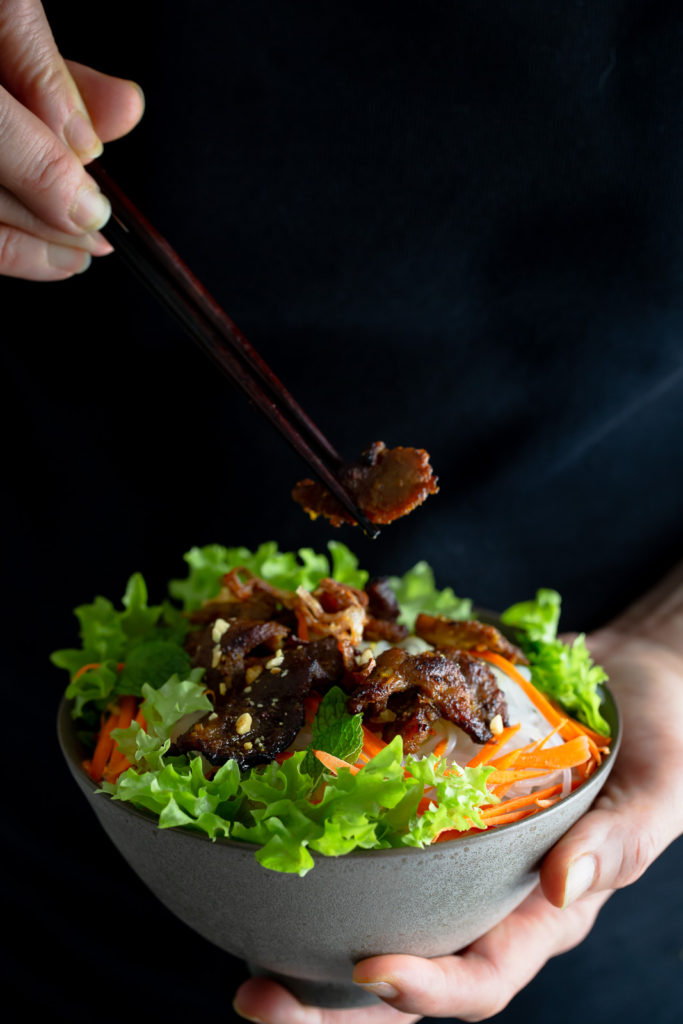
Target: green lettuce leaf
<point>417,592</point>
<point>180,794</point>
<point>285,569</point>
<point>162,709</point>
<point>538,618</point>
<point>564,671</point>
<point>109,637</point>
<point>567,673</point>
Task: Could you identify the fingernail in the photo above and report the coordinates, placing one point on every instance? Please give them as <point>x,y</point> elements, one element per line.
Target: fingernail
<point>80,135</point>
<point>63,258</point>
<point>142,95</point>
<point>379,988</point>
<point>580,876</point>
<point>91,210</point>
<point>241,1013</point>
<point>100,245</point>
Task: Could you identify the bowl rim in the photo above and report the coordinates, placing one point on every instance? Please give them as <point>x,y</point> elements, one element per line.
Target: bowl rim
<point>68,742</point>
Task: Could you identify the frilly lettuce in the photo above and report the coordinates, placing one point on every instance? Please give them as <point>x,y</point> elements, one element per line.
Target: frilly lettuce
<point>565,671</point>
<point>148,638</point>
<point>417,592</point>
<point>285,569</point>
<point>376,808</point>
<point>138,649</point>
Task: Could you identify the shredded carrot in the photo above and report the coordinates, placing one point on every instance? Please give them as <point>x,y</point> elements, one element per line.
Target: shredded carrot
<point>586,769</point>
<point>493,746</point>
<point>570,755</point>
<point>118,763</point>
<point>424,806</point>
<point>521,801</point>
<point>534,695</point>
<point>553,732</point>
<point>500,781</point>
<point>93,664</point>
<point>335,763</point>
<point>103,748</point>
<point>311,705</point>
<point>569,728</point>
<point>508,776</point>
<point>301,623</point>
<point>452,833</point>
<point>506,819</point>
<point>85,668</point>
<point>372,744</point>
<point>440,747</point>
<point>597,737</point>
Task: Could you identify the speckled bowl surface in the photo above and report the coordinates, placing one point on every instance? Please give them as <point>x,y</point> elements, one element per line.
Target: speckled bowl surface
<point>308,932</point>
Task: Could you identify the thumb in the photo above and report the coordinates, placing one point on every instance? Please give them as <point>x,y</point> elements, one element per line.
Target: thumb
<point>606,850</point>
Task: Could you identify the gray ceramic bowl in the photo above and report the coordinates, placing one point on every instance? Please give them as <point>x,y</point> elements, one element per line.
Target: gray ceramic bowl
<point>308,932</point>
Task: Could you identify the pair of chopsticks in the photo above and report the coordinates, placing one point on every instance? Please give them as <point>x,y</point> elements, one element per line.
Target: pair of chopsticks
<point>157,264</point>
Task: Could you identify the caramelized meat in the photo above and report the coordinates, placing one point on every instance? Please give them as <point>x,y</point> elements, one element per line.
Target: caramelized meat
<point>386,483</point>
<point>255,721</point>
<point>384,629</point>
<point>260,606</point>
<point>445,683</point>
<point>411,714</point>
<point>225,645</point>
<point>382,603</point>
<point>382,613</point>
<point>466,635</point>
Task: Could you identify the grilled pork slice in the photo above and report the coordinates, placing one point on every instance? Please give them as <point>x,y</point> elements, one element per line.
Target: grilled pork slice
<point>382,612</point>
<point>466,635</point>
<point>405,693</point>
<point>262,711</point>
<point>226,644</point>
<point>385,483</point>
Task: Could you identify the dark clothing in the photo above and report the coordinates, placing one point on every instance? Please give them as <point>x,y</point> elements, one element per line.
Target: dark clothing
<point>456,226</point>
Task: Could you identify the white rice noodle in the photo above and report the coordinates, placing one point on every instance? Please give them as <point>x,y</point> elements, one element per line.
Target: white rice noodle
<point>459,747</point>
<point>534,727</point>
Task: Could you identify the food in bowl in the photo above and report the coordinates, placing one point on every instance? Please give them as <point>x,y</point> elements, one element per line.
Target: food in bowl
<point>295,704</point>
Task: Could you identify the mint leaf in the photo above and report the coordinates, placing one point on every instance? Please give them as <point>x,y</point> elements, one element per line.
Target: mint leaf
<point>153,662</point>
<point>335,731</point>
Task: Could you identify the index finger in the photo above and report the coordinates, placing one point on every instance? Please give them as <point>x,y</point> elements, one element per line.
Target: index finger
<point>34,72</point>
<point>44,174</point>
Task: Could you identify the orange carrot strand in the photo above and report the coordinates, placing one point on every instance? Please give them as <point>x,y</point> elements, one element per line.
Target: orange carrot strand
<point>103,748</point>
<point>494,745</point>
<point>372,744</point>
<point>333,763</point>
<point>521,801</point>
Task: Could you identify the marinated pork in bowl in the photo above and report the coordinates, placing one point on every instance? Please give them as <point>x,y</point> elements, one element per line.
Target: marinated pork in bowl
<point>309,767</point>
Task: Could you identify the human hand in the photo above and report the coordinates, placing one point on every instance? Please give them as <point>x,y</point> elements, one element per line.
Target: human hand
<point>54,117</point>
<point>638,813</point>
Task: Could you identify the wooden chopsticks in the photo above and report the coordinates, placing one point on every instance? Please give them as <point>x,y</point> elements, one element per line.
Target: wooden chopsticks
<point>157,264</point>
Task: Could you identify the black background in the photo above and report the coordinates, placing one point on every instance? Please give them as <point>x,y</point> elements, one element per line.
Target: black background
<point>455,226</point>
